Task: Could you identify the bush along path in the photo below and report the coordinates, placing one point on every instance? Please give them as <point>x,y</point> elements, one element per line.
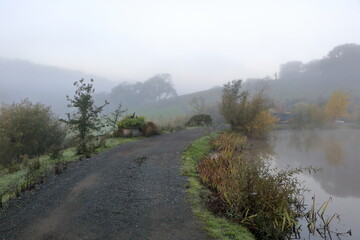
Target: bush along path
<point>218,227</point>
<point>132,191</point>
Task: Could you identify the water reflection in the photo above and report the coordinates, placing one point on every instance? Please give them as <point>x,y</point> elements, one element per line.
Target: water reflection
<point>337,152</point>
<point>334,150</point>
<point>264,149</point>
<point>307,141</point>
<point>304,140</point>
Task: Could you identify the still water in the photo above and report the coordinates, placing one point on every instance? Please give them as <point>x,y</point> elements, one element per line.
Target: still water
<point>337,152</point>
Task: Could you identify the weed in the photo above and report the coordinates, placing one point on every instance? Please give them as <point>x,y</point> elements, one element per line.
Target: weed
<point>34,165</point>
<point>56,152</point>
<point>248,191</point>
<point>218,227</point>
<point>319,224</point>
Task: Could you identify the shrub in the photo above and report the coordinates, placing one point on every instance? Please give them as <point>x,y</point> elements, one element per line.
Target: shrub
<point>308,115</point>
<point>248,191</point>
<point>33,165</point>
<point>28,129</point>
<point>312,115</point>
<point>229,141</point>
<point>56,152</point>
<point>151,129</point>
<point>132,122</point>
<point>113,118</point>
<point>85,122</point>
<point>248,114</point>
<point>199,120</point>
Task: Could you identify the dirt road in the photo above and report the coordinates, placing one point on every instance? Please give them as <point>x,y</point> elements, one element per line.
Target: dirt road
<point>133,191</point>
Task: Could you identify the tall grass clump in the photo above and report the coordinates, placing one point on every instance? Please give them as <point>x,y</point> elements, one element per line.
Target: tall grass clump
<point>249,191</point>
<point>217,226</point>
<point>173,124</point>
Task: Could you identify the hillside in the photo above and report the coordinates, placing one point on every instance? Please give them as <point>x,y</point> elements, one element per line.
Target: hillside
<point>178,105</point>
<point>49,85</point>
<point>312,81</point>
<point>40,83</point>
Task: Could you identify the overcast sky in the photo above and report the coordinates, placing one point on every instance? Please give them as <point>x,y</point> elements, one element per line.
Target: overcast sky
<point>201,43</point>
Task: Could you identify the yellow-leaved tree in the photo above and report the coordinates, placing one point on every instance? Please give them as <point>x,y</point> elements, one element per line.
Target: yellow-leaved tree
<point>337,105</point>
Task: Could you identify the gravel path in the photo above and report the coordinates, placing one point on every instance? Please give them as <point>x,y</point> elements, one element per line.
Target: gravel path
<point>133,191</point>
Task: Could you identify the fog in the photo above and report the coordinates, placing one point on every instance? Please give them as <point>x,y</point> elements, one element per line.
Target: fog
<point>40,83</point>
<point>201,44</point>
<point>155,57</point>
<point>312,82</point>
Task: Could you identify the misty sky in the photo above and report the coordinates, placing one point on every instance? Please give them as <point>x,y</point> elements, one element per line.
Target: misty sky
<point>201,43</point>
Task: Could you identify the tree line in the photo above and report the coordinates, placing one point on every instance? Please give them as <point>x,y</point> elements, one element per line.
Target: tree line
<point>314,81</point>
<point>155,89</point>
<point>28,130</point>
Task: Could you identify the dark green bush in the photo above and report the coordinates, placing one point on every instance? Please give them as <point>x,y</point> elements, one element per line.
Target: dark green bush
<point>56,152</point>
<point>33,165</point>
<point>27,129</point>
<point>199,120</point>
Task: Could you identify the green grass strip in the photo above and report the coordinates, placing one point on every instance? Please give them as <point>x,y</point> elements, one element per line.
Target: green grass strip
<point>219,228</point>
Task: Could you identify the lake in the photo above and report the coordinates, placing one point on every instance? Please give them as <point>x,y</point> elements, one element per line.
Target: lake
<point>337,152</point>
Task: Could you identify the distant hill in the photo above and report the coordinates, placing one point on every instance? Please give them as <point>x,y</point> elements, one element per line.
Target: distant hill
<point>49,85</point>
<point>178,105</point>
<point>315,80</point>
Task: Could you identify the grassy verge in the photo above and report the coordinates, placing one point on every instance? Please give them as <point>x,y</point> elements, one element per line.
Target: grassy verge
<point>36,170</point>
<point>219,228</point>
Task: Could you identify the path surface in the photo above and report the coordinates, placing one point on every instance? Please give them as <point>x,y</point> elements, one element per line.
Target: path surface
<point>133,191</point>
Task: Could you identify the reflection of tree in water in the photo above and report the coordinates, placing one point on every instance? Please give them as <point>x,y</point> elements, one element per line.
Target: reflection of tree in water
<point>305,140</point>
<point>262,149</point>
<point>310,140</point>
<point>334,152</point>
<point>337,152</point>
